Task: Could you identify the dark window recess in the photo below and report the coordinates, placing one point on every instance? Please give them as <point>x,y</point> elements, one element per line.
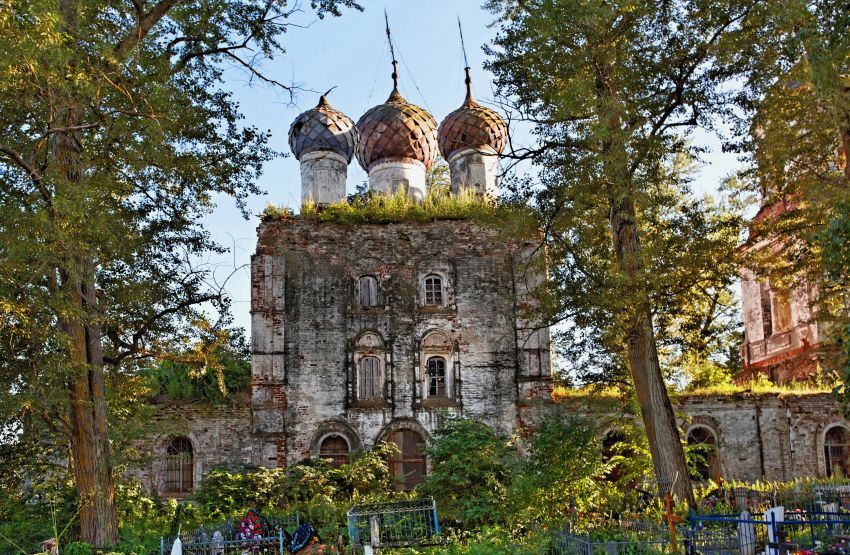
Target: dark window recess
<point>437,377</point>
<point>179,466</point>
<point>369,378</point>
<point>368,291</point>
<point>408,467</point>
<point>836,449</point>
<point>615,448</point>
<point>433,290</point>
<point>334,448</point>
<point>766,312</point>
<point>702,449</point>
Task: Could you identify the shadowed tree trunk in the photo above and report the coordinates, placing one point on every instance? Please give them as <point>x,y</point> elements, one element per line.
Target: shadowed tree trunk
<point>665,444</point>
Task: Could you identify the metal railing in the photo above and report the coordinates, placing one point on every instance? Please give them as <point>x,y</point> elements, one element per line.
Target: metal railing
<point>396,524</point>
<point>204,540</point>
<point>635,538</point>
<point>797,530</point>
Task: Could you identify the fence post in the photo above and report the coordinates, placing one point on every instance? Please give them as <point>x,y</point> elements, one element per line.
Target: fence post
<point>436,520</point>
<point>161,545</point>
<point>280,539</point>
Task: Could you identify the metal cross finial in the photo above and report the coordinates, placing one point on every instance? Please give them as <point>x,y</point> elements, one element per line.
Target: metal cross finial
<point>392,51</point>
<point>466,69</point>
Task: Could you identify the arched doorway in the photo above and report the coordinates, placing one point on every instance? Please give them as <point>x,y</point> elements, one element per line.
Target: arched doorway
<point>407,469</point>
<point>334,448</point>
<point>836,452</point>
<point>702,451</point>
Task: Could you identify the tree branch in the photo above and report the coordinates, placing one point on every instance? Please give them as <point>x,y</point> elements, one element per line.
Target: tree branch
<point>144,25</point>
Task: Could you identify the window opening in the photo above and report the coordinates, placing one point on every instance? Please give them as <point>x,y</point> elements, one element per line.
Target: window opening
<point>368,291</point>
<point>369,378</point>
<point>437,377</point>
<point>433,290</point>
<point>179,466</point>
<point>836,449</point>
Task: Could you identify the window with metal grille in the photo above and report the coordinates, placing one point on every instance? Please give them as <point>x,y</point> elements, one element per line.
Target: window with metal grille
<point>179,466</point>
<point>437,377</point>
<point>836,449</point>
<point>433,290</point>
<point>334,448</point>
<point>368,291</point>
<point>369,378</point>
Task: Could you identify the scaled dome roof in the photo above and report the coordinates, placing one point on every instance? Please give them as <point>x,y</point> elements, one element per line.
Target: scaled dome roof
<point>472,126</point>
<point>323,128</point>
<point>396,129</point>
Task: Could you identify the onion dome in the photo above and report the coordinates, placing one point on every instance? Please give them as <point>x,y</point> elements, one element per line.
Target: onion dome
<point>396,130</point>
<point>323,128</point>
<point>472,126</point>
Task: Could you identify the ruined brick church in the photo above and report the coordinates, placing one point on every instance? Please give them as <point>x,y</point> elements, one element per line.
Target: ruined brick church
<point>363,333</point>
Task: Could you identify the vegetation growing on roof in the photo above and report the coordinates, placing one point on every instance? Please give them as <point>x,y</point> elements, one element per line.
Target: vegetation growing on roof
<point>439,204</point>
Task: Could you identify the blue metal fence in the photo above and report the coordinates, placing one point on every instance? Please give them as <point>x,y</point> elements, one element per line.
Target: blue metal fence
<point>798,530</point>
<point>396,524</point>
<point>643,539</point>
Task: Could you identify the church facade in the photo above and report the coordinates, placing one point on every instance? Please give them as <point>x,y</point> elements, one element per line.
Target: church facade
<point>371,332</point>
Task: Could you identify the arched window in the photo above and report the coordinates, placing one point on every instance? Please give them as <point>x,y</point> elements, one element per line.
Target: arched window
<point>437,377</point>
<point>367,291</point>
<point>334,448</point>
<point>781,311</point>
<point>408,467</point>
<point>702,451</point>
<point>179,466</point>
<point>369,378</point>
<point>433,290</point>
<point>615,449</point>
<point>836,448</point>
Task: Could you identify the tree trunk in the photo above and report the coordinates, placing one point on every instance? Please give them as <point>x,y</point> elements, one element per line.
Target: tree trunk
<point>665,443</point>
<point>89,438</point>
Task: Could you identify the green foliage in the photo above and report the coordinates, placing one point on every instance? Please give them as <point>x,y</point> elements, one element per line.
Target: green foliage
<point>212,372</point>
<point>471,469</point>
<point>31,514</point>
<point>117,132</point>
<point>565,472</point>
<point>797,138</point>
<point>489,540</point>
<point>316,490</point>
<point>834,241</point>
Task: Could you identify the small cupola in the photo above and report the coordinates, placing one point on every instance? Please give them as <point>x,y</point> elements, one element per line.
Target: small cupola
<point>322,140</point>
<point>471,139</point>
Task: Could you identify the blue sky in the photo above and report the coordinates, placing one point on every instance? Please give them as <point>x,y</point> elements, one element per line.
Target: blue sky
<point>351,54</point>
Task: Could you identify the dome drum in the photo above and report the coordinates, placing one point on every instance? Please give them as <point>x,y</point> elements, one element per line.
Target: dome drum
<point>471,139</point>
<point>393,174</point>
<point>323,177</point>
<point>476,170</point>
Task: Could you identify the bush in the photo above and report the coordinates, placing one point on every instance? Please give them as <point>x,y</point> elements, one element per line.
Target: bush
<point>564,473</point>
<point>471,469</point>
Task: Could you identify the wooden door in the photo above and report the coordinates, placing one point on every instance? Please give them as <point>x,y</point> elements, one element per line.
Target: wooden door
<point>408,467</point>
